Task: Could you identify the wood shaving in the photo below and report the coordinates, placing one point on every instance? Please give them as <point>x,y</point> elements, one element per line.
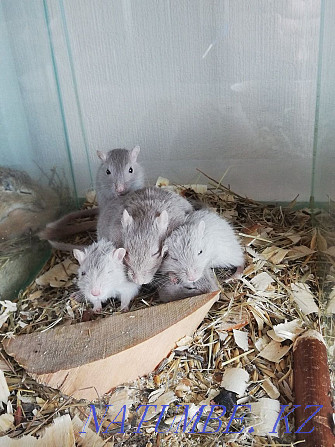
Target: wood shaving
<point>235,380</point>
<point>287,331</point>
<point>291,246</point>
<point>6,423</point>
<point>264,414</point>
<point>7,308</point>
<point>60,433</point>
<point>88,439</point>
<point>4,390</point>
<point>262,281</point>
<point>241,339</point>
<point>59,275</point>
<point>270,389</point>
<point>274,351</point>
<point>304,298</point>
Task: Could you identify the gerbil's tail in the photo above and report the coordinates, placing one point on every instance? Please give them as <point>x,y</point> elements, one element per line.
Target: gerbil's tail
<point>63,246</point>
<point>72,216</point>
<point>60,228</point>
<point>50,233</point>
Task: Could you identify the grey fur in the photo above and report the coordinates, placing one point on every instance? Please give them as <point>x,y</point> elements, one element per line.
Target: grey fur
<point>171,291</point>
<point>118,162</point>
<point>144,232</point>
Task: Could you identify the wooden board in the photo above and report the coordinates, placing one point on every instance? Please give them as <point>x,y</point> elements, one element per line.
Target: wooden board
<point>88,359</point>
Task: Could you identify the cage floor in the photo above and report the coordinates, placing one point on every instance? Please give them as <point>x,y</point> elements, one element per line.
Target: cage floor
<point>288,273</point>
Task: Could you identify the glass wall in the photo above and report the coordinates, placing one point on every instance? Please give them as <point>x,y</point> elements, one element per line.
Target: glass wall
<point>324,149</point>
<point>323,186</point>
<point>214,85</point>
<point>36,181</point>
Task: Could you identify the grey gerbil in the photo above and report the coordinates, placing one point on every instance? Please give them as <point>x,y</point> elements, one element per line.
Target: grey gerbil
<point>101,275</point>
<point>118,174</point>
<point>204,240</point>
<point>175,290</point>
<point>140,222</point>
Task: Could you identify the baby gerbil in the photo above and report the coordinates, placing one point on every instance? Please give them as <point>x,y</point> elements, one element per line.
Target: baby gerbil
<point>118,174</point>
<point>140,222</point>
<point>175,290</point>
<point>204,240</point>
<point>101,275</point>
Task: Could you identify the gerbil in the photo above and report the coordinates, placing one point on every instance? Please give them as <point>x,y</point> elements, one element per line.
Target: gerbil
<point>25,205</point>
<point>101,275</point>
<point>204,240</point>
<point>140,222</point>
<point>176,290</point>
<point>118,174</point>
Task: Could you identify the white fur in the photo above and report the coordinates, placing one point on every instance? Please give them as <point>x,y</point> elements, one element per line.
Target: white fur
<point>204,240</point>
<point>104,271</point>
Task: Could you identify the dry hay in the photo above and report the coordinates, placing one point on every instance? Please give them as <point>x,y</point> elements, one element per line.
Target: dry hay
<point>289,270</point>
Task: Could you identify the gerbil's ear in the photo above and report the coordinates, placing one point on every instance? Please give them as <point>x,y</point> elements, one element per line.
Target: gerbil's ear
<point>102,155</point>
<point>134,153</point>
<point>162,221</point>
<point>126,219</point>
<point>79,255</point>
<point>201,228</point>
<point>119,254</point>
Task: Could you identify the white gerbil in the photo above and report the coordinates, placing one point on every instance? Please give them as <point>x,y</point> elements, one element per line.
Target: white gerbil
<point>204,240</point>
<point>101,275</point>
<point>118,174</point>
<point>140,222</point>
<point>175,290</point>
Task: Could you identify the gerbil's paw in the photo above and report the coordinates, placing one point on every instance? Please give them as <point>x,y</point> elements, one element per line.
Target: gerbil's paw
<point>173,278</point>
<point>97,308</point>
<point>239,270</point>
<point>125,309</point>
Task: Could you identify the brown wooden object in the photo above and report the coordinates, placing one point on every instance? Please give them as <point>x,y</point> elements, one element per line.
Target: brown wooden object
<point>88,359</point>
<point>312,387</point>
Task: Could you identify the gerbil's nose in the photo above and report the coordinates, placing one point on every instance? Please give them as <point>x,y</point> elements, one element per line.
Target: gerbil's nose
<point>192,276</point>
<point>173,278</point>
<point>120,188</point>
<point>137,280</point>
<point>95,292</point>
<point>141,279</point>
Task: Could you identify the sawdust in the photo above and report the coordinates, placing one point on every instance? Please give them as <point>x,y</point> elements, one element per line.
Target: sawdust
<point>289,271</point>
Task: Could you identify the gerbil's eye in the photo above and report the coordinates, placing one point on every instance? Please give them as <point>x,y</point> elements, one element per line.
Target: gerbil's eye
<point>130,170</point>
<point>200,252</point>
<point>83,273</point>
<point>108,171</point>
